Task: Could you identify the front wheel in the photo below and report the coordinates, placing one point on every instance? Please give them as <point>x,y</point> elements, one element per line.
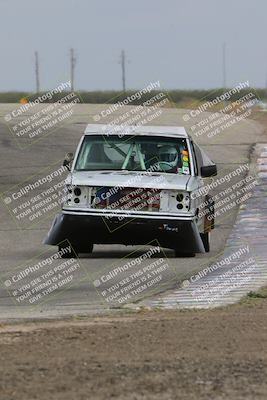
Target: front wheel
<point>178,254</point>
<point>66,251</point>
<point>89,249</point>
<point>86,249</point>
<point>206,241</point>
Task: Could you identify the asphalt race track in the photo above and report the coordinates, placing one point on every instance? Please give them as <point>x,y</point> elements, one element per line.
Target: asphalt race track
<point>21,160</point>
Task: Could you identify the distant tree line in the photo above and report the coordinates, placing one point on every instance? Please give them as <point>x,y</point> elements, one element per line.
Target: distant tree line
<point>100,97</point>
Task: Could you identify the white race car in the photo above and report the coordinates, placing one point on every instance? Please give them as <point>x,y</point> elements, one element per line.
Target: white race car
<point>136,186</point>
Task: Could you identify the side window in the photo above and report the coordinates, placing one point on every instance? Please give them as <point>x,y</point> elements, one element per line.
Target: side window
<point>198,157</point>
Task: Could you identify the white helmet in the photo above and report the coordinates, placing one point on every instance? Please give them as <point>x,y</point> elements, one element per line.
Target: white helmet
<point>168,157</point>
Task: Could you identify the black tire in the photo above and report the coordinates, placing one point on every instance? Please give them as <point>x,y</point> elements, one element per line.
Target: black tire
<point>178,254</point>
<point>90,248</point>
<point>205,237</point>
<point>67,253</point>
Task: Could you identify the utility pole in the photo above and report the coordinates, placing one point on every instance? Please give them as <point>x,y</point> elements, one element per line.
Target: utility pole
<point>72,66</point>
<point>224,64</point>
<point>37,78</point>
<point>122,62</point>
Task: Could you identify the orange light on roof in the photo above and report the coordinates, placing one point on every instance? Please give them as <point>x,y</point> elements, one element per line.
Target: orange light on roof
<point>24,100</point>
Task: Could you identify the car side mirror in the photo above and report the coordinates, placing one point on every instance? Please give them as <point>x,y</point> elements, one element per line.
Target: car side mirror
<point>208,170</point>
<point>68,160</point>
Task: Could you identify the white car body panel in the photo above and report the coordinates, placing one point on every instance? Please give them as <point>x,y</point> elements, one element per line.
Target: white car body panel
<point>169,184</point>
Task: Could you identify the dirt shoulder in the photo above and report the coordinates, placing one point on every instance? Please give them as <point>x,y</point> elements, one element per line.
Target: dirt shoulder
<point>209,354</point>
<point>213,354</point>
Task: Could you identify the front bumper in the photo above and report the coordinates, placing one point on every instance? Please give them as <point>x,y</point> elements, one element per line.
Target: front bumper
<point>81,228</point>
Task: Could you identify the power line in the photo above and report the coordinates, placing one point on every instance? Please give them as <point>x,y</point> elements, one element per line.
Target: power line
<point>122,62</point>
<point>72,67</point>
<point>37,77</point>
<point>224,64</point>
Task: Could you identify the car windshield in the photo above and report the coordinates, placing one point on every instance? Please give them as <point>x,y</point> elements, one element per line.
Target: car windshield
<point>133,153</point>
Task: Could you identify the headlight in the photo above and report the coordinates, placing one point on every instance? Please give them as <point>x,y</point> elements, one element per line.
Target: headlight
<point>77,191</point>
<point>175,201</point>
<point>180,197</point>
<point>183,200</point>
<point>76,196</point>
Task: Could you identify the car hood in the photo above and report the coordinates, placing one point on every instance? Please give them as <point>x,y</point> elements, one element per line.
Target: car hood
<point>129,179</point>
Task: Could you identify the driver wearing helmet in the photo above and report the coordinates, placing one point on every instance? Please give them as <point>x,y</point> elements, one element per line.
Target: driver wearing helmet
<point>169,159</point>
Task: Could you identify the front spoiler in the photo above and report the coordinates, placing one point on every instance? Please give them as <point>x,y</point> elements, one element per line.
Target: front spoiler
<point>181,234</point>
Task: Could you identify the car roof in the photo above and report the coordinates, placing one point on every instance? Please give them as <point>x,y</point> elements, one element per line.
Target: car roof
<point>153,130</point>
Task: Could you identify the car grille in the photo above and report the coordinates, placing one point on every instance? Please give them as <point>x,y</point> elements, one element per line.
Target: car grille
<point>135,199</point>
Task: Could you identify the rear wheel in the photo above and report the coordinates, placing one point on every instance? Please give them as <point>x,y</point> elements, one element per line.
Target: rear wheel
<point>206,241</point>
<point>90,248</point>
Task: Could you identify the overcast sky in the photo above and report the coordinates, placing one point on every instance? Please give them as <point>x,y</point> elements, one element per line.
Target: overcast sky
<point>178,42</point>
